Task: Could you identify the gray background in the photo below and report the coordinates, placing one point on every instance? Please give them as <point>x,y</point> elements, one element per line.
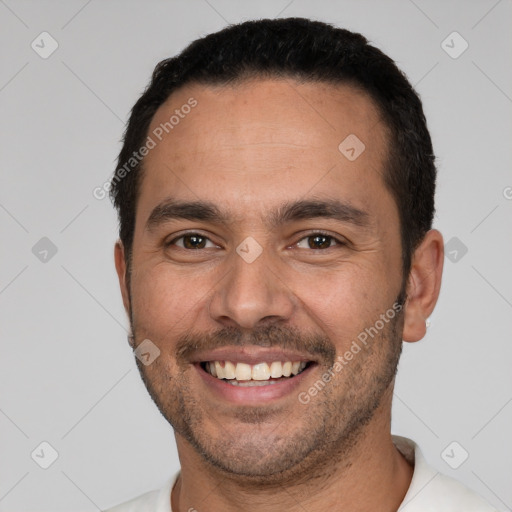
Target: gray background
<point>67,375</point>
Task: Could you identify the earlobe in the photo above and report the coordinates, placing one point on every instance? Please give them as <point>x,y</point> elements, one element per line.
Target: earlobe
<point>120,262</point>
<point>423,286</point>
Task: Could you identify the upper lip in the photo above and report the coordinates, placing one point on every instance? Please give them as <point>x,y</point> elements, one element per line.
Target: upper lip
<point>250,355</point>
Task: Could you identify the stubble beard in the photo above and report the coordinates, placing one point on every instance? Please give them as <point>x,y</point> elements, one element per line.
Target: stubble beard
<point>334,420</point>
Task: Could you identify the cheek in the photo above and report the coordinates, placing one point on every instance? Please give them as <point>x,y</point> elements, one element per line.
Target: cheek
<point>339,300</point>
<point>164,300</point>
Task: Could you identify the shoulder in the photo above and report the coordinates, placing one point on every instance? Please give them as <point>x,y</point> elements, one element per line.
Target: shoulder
<point>153,501</point>
<point>448,494</point>
<point>430,490</point>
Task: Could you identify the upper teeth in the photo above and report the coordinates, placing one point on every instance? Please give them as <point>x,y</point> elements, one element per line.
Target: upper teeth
<point>260,371</point>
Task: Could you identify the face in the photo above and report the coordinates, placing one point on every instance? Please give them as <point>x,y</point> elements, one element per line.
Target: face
<point>261,248</point>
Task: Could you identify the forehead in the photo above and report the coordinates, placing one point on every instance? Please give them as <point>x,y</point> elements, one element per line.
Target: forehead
<point>261,140</point>
<point>281,104</point>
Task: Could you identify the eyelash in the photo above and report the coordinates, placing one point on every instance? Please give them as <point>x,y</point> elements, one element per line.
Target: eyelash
<point>337,241</point>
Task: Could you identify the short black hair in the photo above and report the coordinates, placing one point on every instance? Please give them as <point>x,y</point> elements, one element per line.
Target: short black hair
<point>308,51</point>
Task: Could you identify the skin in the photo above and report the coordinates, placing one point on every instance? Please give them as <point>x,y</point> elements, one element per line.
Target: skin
<point>248,149</point>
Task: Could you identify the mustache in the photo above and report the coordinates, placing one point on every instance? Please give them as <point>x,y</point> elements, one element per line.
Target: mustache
<point>273,336</point>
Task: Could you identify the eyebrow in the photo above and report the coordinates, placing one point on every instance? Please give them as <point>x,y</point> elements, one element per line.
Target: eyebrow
<point>288,212</point>
<point>324,208</point>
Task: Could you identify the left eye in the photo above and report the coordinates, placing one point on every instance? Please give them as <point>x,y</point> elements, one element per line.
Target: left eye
<point>317,241</point>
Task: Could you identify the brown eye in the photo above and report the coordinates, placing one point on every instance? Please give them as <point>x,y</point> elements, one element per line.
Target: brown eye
<point>192,241</point>
<point>317,241</point>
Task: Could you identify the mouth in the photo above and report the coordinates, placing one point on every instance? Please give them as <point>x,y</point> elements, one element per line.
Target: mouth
<point>252,375</point>
<point>259,374</point>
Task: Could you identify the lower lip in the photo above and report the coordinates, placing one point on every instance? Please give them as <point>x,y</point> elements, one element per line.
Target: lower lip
<point>253,394</point>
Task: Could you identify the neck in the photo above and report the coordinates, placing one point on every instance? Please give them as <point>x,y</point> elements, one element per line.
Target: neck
<point>373,476</point>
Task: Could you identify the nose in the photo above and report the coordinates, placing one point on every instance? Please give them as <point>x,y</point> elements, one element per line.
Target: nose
<point>251,293</point>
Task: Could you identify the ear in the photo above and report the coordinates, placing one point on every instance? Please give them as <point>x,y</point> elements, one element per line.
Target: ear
<point>423,285</point>
<point>120,261</point>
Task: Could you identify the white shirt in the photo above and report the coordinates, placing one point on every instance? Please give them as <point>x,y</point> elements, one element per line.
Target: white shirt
<point>430,491</point>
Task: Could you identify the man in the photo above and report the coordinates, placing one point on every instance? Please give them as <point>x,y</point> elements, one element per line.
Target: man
<point>275,193</point>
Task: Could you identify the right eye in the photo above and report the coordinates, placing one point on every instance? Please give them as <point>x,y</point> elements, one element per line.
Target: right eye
<point>191,241</point>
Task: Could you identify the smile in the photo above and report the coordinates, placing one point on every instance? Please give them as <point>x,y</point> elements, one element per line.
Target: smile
<point>252,375</point>
<point>260,374</point>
